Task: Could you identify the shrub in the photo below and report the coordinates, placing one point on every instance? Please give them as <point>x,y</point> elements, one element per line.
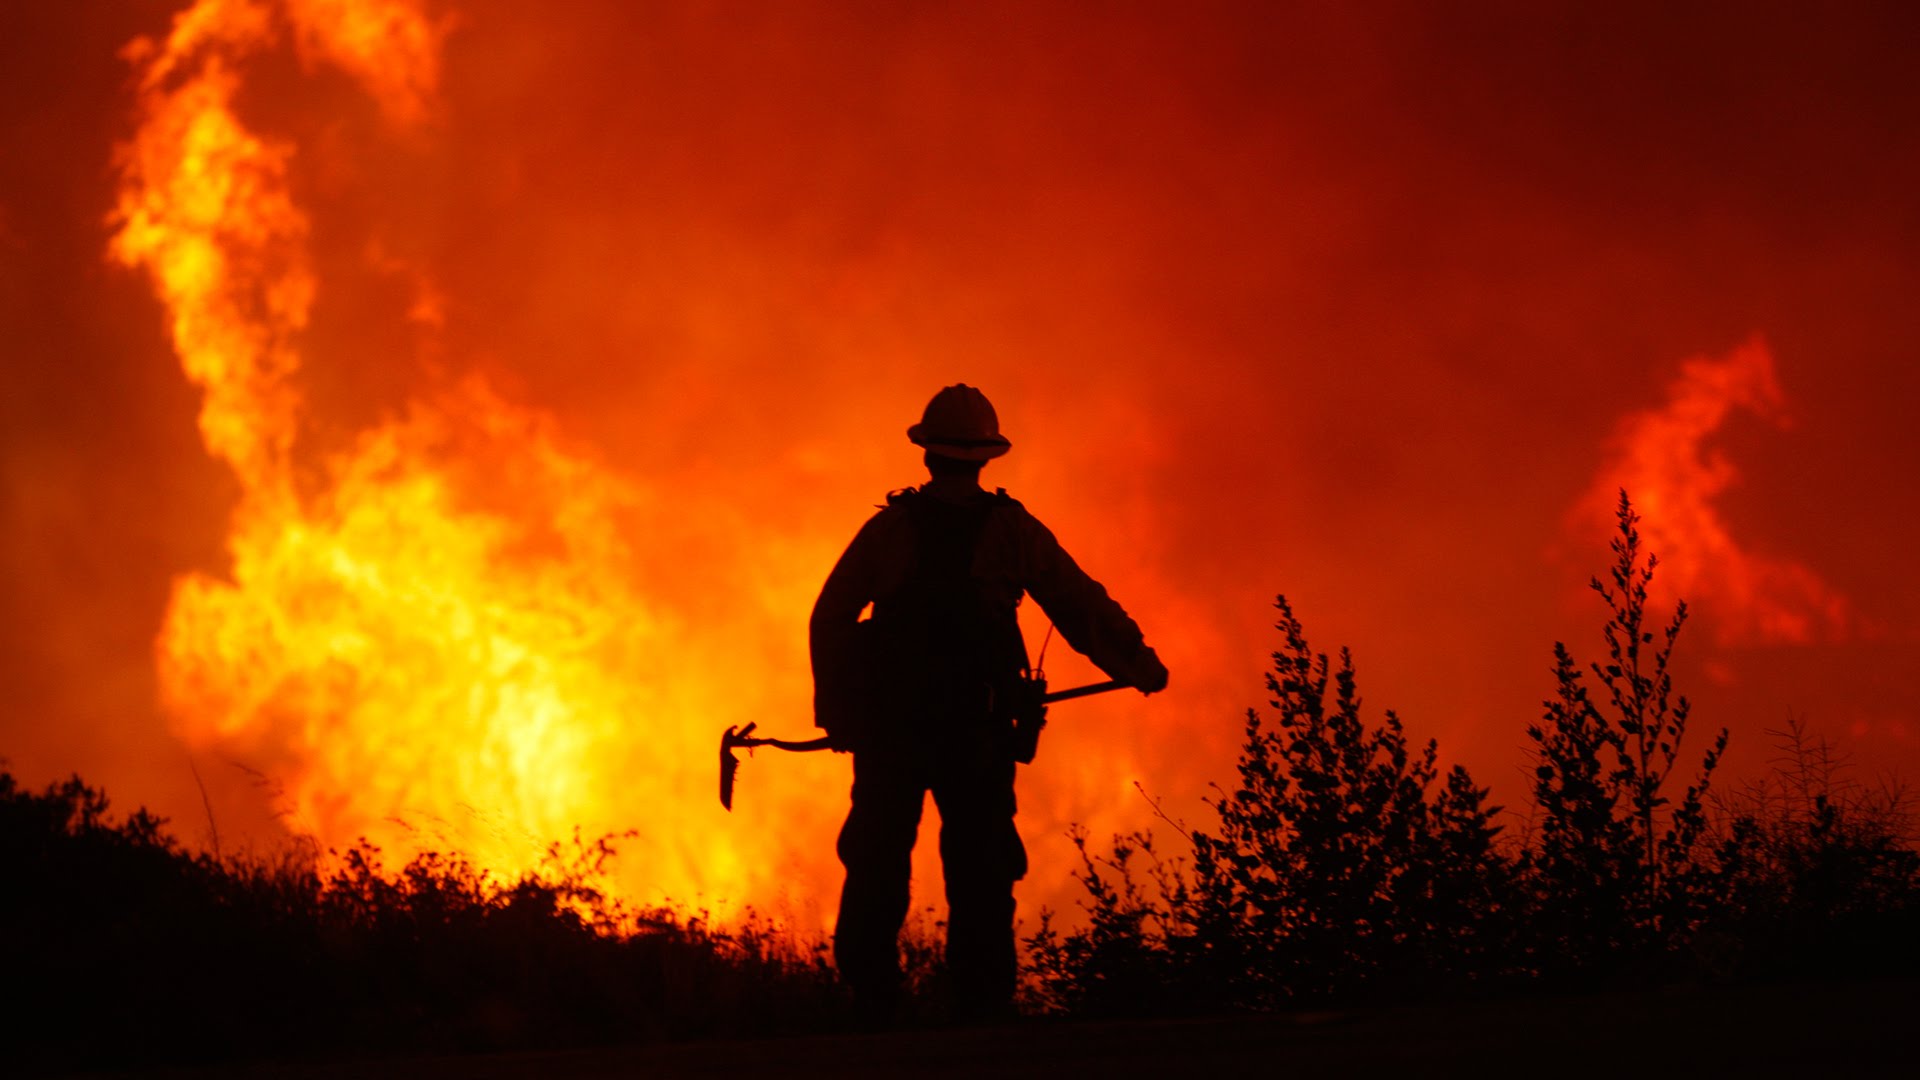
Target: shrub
<point>1612,862</point>
<point>1335,865</point>
<point>126,950</point>
<point>1341,867</point>
<point>1816,872</point>
<point>1335,870</point>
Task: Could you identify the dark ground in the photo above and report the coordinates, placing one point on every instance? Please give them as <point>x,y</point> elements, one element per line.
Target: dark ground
<point>1810,1029</point>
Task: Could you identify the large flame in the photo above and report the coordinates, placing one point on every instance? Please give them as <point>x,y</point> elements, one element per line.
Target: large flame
<point>432,638</point>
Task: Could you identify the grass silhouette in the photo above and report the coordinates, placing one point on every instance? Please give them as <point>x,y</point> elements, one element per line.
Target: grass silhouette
<point>134,951</point>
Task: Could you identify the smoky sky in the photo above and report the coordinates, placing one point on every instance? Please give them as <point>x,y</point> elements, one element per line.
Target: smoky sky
<point>1340,301</point>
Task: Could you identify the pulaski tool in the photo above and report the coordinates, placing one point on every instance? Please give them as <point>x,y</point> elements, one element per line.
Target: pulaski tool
<point>1027,722</point>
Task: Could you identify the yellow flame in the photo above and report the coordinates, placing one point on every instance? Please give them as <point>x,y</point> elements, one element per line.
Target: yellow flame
<point>392,48</point>
<point>433,639</point>
<point>205,209</point>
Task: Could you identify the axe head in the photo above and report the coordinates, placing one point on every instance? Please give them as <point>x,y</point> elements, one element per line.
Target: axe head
<point>730,764</point>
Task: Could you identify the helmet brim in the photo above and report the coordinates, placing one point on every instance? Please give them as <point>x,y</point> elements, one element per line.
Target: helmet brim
<point>962,449</point>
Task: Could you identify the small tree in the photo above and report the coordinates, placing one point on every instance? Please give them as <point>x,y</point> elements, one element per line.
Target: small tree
<point>1333,867</point>
<point>1335,870</point>
<point>1613,860</point>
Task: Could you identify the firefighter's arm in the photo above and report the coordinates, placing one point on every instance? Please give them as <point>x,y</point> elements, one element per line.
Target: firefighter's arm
<point>1087,617</point>
<point>833,632</point>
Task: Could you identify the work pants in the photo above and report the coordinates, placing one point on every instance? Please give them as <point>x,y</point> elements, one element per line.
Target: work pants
<point>980,855</point>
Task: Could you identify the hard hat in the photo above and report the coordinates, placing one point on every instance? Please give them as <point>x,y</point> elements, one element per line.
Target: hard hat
<point>960,423</point>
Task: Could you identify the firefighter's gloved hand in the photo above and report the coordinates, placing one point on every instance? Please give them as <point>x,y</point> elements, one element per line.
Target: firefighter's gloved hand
<point>1149,675</point>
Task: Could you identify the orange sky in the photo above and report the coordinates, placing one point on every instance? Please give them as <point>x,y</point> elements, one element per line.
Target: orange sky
<point>1374,308</point>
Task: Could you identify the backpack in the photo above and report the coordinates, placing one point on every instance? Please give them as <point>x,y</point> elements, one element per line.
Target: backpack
<point>947,647</point>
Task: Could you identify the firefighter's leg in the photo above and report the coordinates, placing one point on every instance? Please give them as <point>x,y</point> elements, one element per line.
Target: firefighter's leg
<point>982,856</point>
<point>876,847</point>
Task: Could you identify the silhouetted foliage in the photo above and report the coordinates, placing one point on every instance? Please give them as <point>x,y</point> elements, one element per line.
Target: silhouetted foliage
<point>1817,874</point>
<point>1612,857</point>
<point>1140,953</point>
<point>1336,870</point>
<point>1341,865</point>
<point>1342,869</point>
<point>127,950</point>
<point>1334,863</point>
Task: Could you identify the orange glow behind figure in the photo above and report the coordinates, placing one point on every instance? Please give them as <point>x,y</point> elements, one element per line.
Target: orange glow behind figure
<point>432,421</point>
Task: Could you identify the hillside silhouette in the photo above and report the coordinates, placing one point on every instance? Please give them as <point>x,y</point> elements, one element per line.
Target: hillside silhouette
<point>1344,870</point>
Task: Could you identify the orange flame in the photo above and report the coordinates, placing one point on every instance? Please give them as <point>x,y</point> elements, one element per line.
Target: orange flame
<point>1661,458</point>
<point>434,638</point>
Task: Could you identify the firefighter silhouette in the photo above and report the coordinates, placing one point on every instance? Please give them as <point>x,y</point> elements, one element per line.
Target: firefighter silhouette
<point>923,694</point>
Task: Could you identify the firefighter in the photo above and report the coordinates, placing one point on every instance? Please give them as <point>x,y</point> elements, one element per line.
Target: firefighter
<point>923,692</point>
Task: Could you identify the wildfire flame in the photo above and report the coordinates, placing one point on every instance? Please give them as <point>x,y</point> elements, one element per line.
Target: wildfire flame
<point>432,638</point>
<point>1660,457</point>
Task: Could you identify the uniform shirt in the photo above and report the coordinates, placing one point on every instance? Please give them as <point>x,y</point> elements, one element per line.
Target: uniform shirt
<point>1016,553</point>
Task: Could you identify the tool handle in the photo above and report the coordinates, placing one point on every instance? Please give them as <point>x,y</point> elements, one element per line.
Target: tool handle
<point>1083,691</point>
<point>824,742</point>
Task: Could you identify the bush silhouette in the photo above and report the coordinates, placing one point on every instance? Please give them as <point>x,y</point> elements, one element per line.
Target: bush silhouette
<point>1336,870</point>
<point>1612,861</point>
<point>127,951</point>
<point>1816,872</point>
<point>1343,868</point>
<point>1335,864</point>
